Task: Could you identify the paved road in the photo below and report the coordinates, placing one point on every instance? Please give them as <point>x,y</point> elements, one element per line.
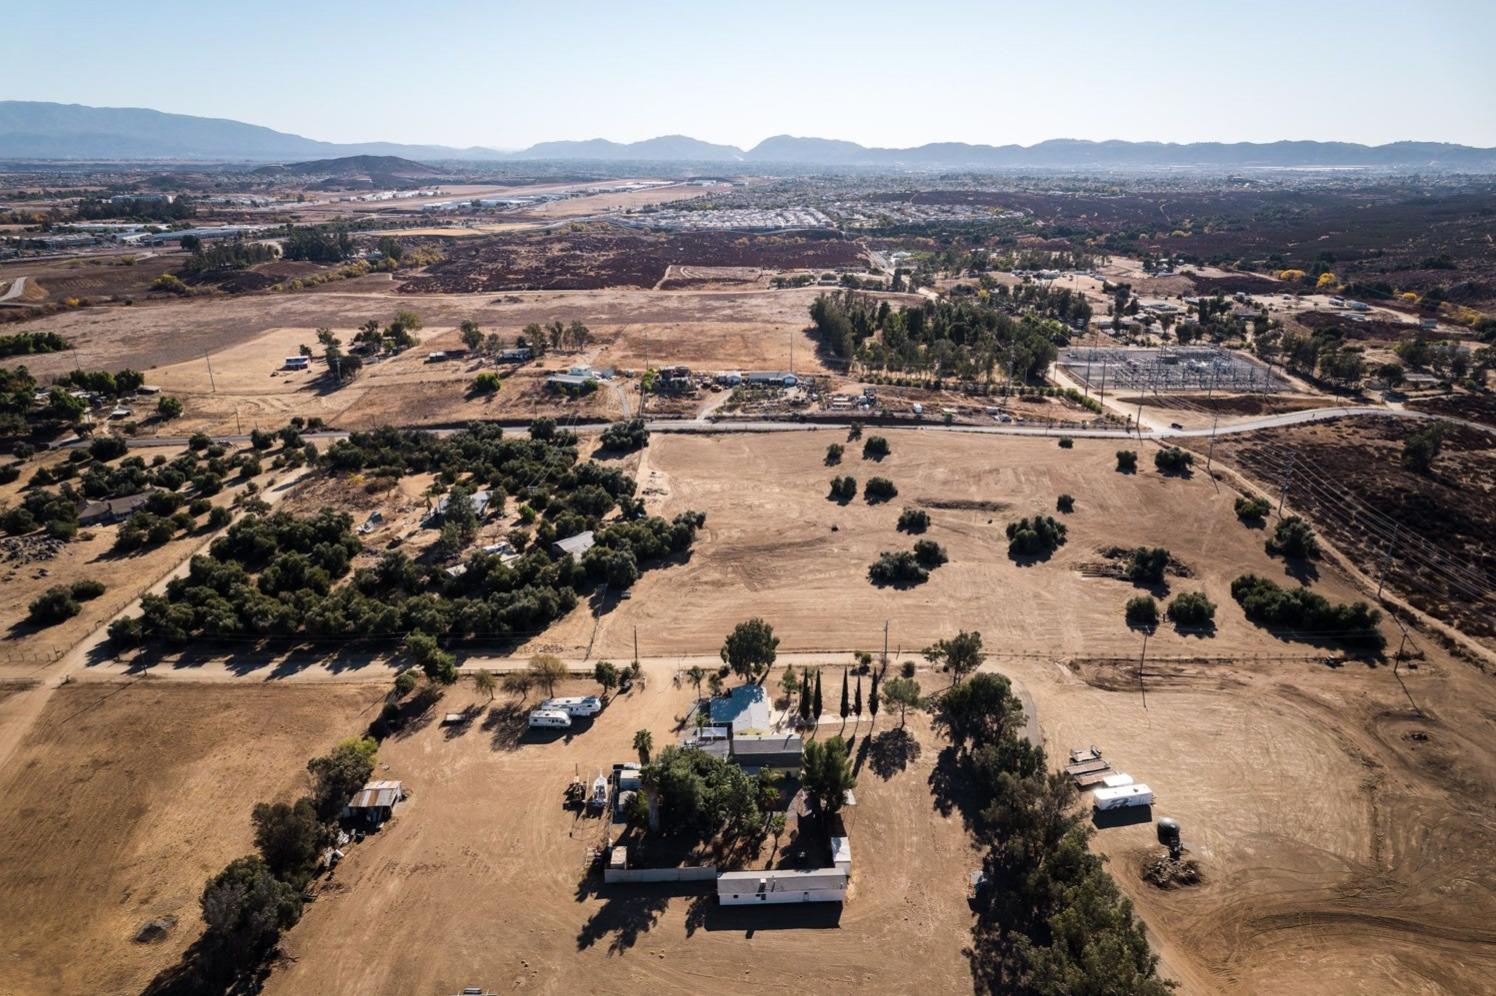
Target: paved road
<point>699,425</point>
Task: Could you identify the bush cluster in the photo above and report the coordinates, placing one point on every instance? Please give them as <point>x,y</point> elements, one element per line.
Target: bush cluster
<point>1037,536</point>
<point>913,520</point>
<point>878,490</point>
<point>626,436</point>
<point>1173,460</point>
<point>1249,507</point>
<point>843,489</point>
<point>1293,538</point>
<point>1299,608</point>
<point>1192,608</point>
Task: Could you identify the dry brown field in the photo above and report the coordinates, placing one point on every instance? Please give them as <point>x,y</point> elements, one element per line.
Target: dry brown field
<point>775,546</point>
<point>124,798</point>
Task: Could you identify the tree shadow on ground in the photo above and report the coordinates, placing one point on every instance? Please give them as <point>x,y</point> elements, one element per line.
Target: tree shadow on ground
<point>199,973</point>
<point>1301,570</point>
<point>627,913</point>
<point>950,789</point>
<point>892,751</point>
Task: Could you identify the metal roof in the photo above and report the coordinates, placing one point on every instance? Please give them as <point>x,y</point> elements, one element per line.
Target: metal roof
<point>376,795</point>
<point>781,743</point>
<point>575,545</point>
<point>781,880</point>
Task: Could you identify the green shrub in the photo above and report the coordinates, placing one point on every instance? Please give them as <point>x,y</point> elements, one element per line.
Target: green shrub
<point>1035,537</point>
<point>929,553</point>
<point>1293,538</point>
<point>1142,611</point>
<point>898,568</point>
<point>1066,443</point>
<point>834,454</point>
<point>1192,608</point>
<point>626,436</point>
<point>1249,507</point>
<point>1127,461</point>
<point>875,448</point>
<point>878,489</point>
<point>87,589</point>
<point>913,520</point>
<point>486,382</point>
<point>1147,565</point>
<point>1173,460</point>
<point>843,489</point>
<point>1065,503</point>
<point>1301,609</point>
<point>53,606</point>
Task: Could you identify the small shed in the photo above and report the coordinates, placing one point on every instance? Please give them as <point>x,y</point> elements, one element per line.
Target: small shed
<point>375,802</point>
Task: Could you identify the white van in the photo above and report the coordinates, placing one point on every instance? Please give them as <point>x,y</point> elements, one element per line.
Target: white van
<point>577,705</point>
<point>552,718</point>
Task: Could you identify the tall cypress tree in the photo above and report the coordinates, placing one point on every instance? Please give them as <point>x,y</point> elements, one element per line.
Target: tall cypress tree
<point>857,703</point>
<point>805,694</point>
<point>872,698</point>
<point>844,709</point>
<point>816,706</point>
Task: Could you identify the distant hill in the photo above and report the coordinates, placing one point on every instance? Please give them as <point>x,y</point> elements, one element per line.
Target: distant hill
<point>354,166</point>
<point>38,130</point>
<point>667,148</point>
<point>41,130</point>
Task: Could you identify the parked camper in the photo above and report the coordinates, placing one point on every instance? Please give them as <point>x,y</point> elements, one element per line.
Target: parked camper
<point>1117,780</point>
<point>296,363</point>
<point>578,705</point>
<point>1121,797</point>
<point>551,718</point>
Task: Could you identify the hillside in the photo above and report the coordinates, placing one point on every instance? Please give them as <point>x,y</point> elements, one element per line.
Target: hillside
<point>354,166</point>
<point>38,130</point>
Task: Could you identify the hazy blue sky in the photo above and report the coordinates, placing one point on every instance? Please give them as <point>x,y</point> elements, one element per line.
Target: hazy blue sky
<point>893,74</point>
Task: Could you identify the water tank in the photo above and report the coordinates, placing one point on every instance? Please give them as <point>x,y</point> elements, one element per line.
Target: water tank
<point>1168,831</point>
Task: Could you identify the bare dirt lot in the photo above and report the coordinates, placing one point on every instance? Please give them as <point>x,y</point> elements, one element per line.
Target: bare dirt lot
<point>1340,819</point>
<point>124,798</point>
<point>775,543</point>
<point>482,873</point>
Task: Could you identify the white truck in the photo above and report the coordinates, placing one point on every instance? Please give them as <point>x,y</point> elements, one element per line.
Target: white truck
<point>1121,797</point>
<point>576,705</point>
<point>549,719</point>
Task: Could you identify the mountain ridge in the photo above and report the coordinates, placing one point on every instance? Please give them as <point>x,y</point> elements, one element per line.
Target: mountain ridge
<point>54,131</point>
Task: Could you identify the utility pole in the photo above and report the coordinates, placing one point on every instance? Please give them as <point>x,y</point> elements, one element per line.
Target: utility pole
<point>1214,422</point>
<point>636,644</point>
<point>885,646</point>
<point>238,426</point>
<point>1287,482</point>
<point>212,387</point>
<point>1141,687</point>
<point>1387,557</point>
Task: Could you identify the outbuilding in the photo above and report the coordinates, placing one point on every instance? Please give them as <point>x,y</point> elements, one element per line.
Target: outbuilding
<point>375,802</point>
<point>574,545</point>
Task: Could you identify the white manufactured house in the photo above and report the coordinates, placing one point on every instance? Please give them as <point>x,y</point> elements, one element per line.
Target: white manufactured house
<point>576,705</point>
<point>789,885</point>
<point>550,718</point>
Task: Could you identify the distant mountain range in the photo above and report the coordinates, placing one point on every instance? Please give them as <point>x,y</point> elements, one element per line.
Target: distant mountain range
<point>39,130</point>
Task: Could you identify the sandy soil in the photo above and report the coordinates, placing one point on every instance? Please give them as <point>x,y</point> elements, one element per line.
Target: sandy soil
<point>1341,853</point>
<point>124,799</point>
<point>769,548</point>
<point>482,874</point>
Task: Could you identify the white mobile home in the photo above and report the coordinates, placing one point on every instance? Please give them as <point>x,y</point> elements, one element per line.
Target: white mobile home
<point>576,705</point>
<point>793,885</point>
<point>550,718</point>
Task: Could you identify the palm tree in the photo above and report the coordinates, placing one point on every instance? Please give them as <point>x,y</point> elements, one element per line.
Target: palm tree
<point>696,675</point>
<point>775,828</point>
<point>643,743</point>
<point>484,681</point>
